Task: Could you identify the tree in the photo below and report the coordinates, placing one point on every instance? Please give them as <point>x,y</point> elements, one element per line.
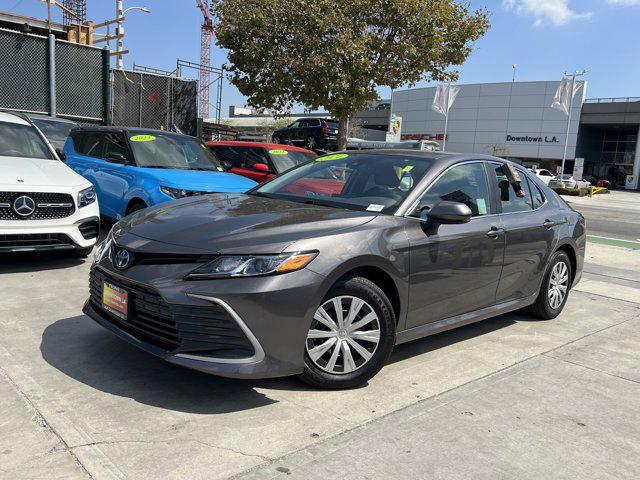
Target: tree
<point>334,53</point>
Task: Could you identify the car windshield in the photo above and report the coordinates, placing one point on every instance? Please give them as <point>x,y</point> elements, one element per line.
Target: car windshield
<point>172,151</point>
<point>55,132</point>
<point>356,181</point>
<point>18,140</point>
<point>287,159</point>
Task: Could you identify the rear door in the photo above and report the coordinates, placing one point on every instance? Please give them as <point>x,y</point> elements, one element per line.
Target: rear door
<point>455,269</point>
<point>529,225</point>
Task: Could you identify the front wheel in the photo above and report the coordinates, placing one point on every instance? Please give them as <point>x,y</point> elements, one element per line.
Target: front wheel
<point>555,288</point>
<point>350,337</point>
<point>276,139</point>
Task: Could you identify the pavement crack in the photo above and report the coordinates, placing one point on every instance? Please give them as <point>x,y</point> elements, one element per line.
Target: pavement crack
<point>238,452</point>
<point>587,367</point>
<point>40,419</point>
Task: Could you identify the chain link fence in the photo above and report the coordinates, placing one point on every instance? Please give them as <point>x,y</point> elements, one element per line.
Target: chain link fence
<point>27,63</point>
<point>148,100</point>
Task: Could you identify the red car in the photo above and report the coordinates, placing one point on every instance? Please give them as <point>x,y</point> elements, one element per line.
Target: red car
<point>259,161</point>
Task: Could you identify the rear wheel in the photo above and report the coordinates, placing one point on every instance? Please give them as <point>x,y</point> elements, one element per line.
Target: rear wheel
<point>350,337</point>
<point>276,139</point>
<point>555,287</point>
<point>310,143</point>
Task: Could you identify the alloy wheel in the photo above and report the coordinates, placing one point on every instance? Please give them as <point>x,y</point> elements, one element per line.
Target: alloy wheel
<point>344,335</point>
<point>311,142</point>
<point>558,285</point>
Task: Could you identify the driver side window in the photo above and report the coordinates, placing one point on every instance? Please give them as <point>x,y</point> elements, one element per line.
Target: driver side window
<point>466,183</point>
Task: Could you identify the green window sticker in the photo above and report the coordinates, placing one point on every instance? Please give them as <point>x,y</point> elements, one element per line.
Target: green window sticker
<point>278,151</point>
<point>142,138</point>
<point>335,156</point>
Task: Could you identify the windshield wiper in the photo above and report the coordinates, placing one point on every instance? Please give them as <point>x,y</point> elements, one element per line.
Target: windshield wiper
<point>321,204</point>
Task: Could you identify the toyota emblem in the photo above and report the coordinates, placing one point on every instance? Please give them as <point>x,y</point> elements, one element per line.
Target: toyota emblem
<point>24,206</point>
<point>123,259</point>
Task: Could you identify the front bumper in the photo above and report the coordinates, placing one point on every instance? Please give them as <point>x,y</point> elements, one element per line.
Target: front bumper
<point>273,312</point>
<point>71,231</point>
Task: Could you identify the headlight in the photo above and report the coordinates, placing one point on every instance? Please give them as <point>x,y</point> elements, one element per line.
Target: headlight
<point>179,192</point>
<point>252,265</point>
<point>86,197</point>
<point>104,248</point>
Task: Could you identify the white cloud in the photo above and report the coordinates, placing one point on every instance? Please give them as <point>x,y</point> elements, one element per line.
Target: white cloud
<point>624,3</point>
<point>555,12</point>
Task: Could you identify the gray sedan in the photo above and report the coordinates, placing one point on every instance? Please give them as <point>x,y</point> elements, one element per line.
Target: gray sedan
<point>321,271</point>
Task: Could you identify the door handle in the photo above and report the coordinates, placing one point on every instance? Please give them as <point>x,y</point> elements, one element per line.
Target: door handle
<point>494,232</point>
<point>549,224</point>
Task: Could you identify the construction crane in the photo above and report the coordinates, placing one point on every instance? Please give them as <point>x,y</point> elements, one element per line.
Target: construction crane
<point>206,34</point>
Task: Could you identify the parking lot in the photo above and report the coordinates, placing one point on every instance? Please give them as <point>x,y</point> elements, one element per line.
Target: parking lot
<point>510,397</point>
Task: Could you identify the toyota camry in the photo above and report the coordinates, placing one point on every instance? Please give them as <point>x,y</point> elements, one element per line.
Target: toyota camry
<point>321,271</point>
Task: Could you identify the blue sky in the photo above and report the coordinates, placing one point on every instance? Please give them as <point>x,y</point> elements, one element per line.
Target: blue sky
<point>543,37</point>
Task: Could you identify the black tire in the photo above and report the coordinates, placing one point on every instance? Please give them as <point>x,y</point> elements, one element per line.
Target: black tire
<point>310,143</point>
<point>136,206</point>
<point>542,307</point>
<point>376,300</point>
<point>81,252</point>
<point>276,139</point>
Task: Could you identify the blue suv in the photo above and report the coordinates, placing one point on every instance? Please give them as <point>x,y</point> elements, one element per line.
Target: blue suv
<point>132,169</point>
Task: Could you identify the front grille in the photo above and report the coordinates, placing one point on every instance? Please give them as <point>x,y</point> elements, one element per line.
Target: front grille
<point>90,229</point>
<point>203,331</point>
<point>39,240</point>
<point>47,205</point>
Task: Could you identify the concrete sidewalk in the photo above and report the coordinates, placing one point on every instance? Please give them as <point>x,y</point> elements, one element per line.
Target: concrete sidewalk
<point>79,403</point>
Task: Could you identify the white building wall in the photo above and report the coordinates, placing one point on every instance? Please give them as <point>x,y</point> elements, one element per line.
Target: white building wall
<point>484,115</point>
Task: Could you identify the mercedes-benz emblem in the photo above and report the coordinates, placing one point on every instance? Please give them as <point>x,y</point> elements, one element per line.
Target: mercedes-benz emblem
<point>24,206</point>
<point>123,259</point>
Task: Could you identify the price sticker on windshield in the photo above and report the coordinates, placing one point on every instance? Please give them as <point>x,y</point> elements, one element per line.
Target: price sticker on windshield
<point>278,151</point>
<point>335,156</point>
<point>375,208</point>
<point>142,138</point>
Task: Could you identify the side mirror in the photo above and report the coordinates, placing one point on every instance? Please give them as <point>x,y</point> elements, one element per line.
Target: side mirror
<point>449,213</point>
<point>61,155</point>
<point>261,167</point>
<point>115,157</point>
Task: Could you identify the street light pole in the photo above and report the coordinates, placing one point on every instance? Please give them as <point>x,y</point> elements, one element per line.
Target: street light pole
<point>120,29</point>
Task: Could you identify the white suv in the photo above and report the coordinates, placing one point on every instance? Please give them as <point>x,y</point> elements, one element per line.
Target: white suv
<point>44,205</point>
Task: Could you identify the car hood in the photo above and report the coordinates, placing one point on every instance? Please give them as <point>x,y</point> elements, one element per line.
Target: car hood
<point>222,223</point>
<point>200,180</point>
<point>26,172</point>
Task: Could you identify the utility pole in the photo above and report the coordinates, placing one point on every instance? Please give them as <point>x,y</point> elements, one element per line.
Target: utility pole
<point>577,73</point>
<point>514,67</point>
<point>119,31</point>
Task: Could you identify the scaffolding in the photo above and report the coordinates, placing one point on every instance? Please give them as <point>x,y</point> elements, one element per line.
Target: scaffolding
<point>74,11</point>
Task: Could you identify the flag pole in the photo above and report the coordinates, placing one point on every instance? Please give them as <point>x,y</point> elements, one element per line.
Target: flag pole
<point>571,95</point>
<point>446,119</point>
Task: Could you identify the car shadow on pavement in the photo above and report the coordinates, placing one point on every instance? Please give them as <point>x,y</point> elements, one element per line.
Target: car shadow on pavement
<point>93,356</point>
<point>450,337</point>
<point>37,262</point>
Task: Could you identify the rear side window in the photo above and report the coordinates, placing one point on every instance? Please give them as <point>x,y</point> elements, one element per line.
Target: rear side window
<point>536,195</point>
<point>465,183</point>
<point>88,143</point>
<point>510,202</point>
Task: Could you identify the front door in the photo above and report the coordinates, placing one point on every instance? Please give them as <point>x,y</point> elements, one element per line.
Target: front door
<point>455,269</point>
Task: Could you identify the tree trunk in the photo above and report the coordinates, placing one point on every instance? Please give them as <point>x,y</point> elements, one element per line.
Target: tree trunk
<point>343,132</point>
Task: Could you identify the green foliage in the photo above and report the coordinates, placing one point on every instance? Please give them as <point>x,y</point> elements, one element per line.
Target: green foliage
<point>333,54</point>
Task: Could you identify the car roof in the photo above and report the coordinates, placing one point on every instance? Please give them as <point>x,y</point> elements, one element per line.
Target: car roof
<point>258,144</point>
<point>442,157</point>
<point>37,116</point>
<point>150,131</point>
<point>11,117</point>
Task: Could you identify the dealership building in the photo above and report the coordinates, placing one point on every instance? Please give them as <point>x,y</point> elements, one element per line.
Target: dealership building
<point>515,120</point>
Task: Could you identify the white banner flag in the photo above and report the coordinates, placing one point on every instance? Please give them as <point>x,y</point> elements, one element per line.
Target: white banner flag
<point>564,96</point>
<point>445,96</point>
